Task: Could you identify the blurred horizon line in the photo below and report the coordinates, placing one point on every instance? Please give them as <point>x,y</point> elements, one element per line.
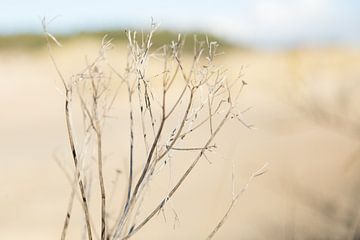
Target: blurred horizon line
<point>263,24</point>
<point>229,41</point>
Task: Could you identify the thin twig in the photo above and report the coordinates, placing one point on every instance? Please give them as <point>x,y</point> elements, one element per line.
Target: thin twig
<point>235,198</point>
<point>70,134</point>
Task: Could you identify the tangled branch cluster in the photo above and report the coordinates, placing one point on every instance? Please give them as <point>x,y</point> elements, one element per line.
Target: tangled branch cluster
<point>207,99</point>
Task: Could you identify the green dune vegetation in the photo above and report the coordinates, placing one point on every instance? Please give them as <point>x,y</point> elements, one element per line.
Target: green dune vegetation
<point>34,42</point>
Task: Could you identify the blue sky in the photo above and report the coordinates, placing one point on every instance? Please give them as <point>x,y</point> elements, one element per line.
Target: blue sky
<point>255,22</point>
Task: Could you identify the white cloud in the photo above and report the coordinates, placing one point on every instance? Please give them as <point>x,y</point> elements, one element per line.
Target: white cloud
<point>286,16</point>
<point>280,21</point>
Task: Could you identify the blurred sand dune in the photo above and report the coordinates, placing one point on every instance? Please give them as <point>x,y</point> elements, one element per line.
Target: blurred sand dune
<point>308,191</point>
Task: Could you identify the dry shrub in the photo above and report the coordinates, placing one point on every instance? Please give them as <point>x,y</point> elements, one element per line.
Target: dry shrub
<point>207,99</point>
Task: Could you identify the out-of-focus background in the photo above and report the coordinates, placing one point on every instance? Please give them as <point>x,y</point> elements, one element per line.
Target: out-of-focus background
<point>301,60</point>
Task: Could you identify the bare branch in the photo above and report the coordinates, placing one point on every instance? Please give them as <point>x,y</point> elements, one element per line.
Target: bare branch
<point>235,198</point>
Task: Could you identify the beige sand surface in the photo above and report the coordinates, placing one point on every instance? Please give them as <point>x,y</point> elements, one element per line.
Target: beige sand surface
<point>308,191</point>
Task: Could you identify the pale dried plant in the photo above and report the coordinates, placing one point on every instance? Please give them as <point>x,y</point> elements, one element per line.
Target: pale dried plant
<point>207,99</point>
